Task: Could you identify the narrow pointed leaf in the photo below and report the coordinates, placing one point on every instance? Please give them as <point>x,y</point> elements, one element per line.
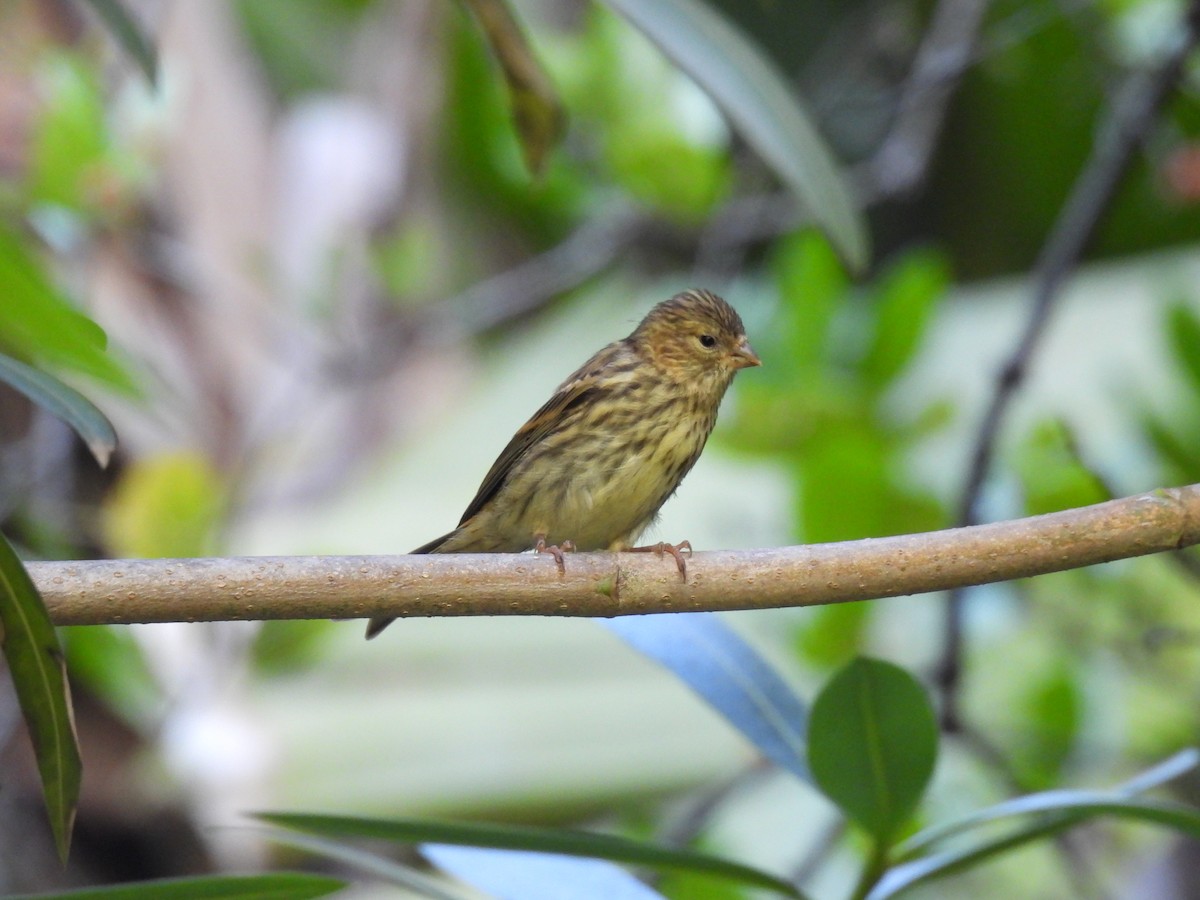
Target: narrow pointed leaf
<point>760,104</point>
<point>1182,762</point>
<point>1065,810</point>
<point>717,664</point>
<point>872,744</point>
<point>276,886</point>
<point>542,840</point>
<point>62,401</point>
<point>39,677</point>
<point>129,34</point>
<point>1060,811</point>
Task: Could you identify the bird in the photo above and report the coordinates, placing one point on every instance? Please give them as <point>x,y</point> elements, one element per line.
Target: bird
<point>591,469</point>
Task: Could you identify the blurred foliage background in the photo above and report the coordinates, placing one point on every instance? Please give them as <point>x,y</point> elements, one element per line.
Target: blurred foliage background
<point>309,278</point>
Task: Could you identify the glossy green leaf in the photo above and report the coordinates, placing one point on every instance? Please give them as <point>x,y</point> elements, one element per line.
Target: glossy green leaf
<point>537,113</point>
<point>907,296</point>
<point>544,840</point>
<point>129,34</point>
<point>39,678</point>
<point>872,744</point>
<point>276,886</point>
<point>760,104</point>
<point>62,401</point>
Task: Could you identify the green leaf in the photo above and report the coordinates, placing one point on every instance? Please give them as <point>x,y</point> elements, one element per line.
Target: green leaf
<point>908,295</point>
<point>872,744</point>
<point>168,505</point>
<point>833,635</point>
<point>39,677</point>
<point>1072,807</point>
<point>1050,706</point>
<point>544,840</point>
<point>1059,810</point>
<point>1178,451</point>
<point>811,286</point>
<point>537,114</point>
<point>1183,330</point>
<point>70,161</point>
<point>37,321</point>
<point>108,661</point>
<point>1053,474</point>
<point>1058,800</point>
<point>276,886</point>
<point>65,402</point>
<point>129,34</point>
<point>760,104</point>
<point>844,486</point>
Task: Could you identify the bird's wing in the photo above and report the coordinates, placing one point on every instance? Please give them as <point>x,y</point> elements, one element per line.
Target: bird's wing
<point>551,416</point>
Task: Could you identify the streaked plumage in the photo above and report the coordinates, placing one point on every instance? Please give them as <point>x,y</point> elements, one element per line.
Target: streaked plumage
<point>594,465</point>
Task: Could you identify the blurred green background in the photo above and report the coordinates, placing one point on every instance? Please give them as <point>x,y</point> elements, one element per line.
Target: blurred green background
<point>331,291</point>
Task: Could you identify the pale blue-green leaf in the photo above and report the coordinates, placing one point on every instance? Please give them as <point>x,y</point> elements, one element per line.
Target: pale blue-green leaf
<point>538,876</point>
<point>62,401</point>
<point>710,657</point>
<point>761,105</point>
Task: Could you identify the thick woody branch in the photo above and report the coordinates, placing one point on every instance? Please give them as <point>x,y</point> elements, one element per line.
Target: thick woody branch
<point>613,584</point>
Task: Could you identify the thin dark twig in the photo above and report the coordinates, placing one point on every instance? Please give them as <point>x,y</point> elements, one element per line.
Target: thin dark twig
<point>1131,114</point>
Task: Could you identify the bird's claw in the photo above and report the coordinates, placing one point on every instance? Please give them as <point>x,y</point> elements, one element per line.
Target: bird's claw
<point>676,550</point>
<point>555,550</point>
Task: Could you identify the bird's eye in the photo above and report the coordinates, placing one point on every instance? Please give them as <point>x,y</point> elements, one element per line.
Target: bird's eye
<point>707,340</point>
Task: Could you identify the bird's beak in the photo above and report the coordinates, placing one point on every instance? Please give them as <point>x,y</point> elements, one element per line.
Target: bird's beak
<point>744,356</point>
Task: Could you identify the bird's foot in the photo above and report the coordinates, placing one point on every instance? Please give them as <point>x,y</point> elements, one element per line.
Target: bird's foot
<point>555,550</point>
<point>676,550</point>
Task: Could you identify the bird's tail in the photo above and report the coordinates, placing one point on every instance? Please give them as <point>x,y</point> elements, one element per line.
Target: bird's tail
<point>376,625</point>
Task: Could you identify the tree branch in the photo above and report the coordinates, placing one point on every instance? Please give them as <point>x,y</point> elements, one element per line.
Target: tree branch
<point>613,584</point>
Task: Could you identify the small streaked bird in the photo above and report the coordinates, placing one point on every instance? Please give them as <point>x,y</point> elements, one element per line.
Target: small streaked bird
<point>593,466</point>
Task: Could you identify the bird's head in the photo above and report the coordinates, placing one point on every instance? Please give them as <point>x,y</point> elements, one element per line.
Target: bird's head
<point>696,338</point>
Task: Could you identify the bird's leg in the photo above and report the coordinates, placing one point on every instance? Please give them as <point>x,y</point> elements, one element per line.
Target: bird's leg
<point>555,550</point>
<point>676,550</point>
